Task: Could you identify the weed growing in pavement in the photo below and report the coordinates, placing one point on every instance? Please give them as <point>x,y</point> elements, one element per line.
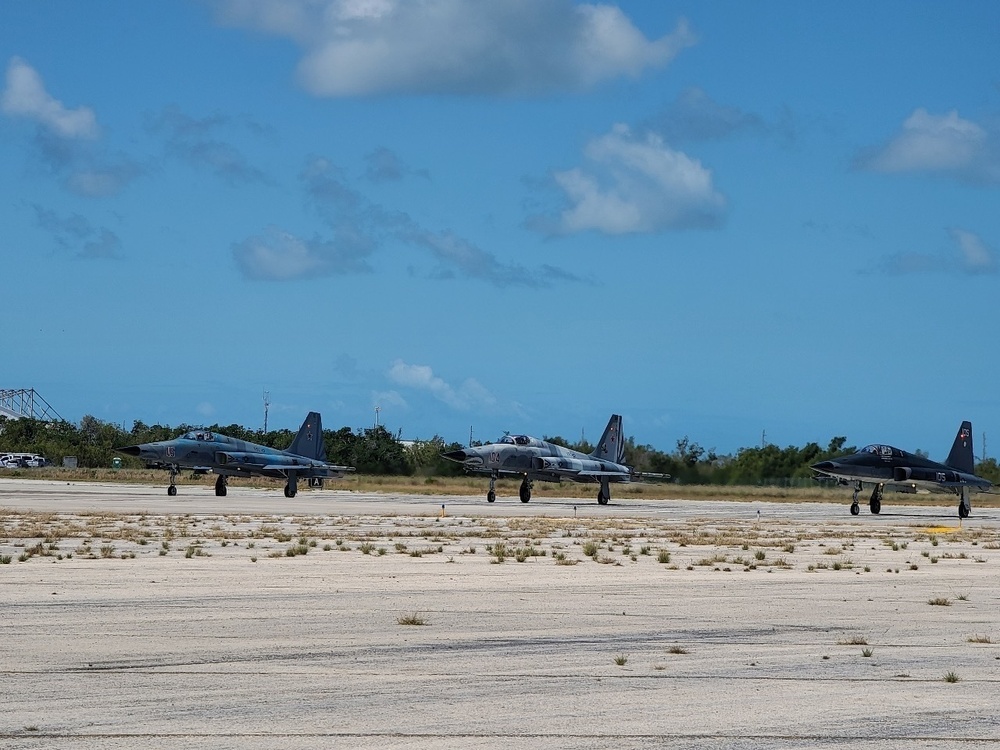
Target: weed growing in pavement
<point>414,618</point>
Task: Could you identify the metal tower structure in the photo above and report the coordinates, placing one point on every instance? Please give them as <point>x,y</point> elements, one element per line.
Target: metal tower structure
<point>25,402</point>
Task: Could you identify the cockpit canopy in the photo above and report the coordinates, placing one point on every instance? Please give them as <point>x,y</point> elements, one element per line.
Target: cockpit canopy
<point>515,440</point>
<point>883,451</point>
<point>200,435</point>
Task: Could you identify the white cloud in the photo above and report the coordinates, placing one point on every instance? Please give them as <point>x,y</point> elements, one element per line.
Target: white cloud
<point>636,184</point>
<point>973,253</point>
<point>276,255</point>
<point>470,394</point>
<point>946,145</point>
<point>362,47</point>
<point>970,255</point>
<point>25,96</point>
<point>383,399</point>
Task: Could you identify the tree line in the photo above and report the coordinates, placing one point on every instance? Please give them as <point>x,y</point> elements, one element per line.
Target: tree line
<point>375,450</point>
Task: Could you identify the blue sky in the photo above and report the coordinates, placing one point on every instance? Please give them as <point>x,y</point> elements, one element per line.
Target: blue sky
<point>718,219</point>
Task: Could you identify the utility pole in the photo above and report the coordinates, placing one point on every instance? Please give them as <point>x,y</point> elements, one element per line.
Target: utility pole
<point>267,405</point>
<point>377,410</point>
<point>470,435</point>
<point>984,446</point>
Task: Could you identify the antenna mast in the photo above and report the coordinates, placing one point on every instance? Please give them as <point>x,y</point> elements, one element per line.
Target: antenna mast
<point>267,405</point>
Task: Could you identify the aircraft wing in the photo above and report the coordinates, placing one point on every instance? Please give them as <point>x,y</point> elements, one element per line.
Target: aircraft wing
<point>304,469</point>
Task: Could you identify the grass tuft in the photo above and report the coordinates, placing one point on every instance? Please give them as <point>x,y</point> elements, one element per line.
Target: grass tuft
<point>854,640</point>
<point>414,618</point>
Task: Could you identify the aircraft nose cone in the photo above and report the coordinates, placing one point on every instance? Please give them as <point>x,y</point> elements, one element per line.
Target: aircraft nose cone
<point>459,455</point>
<point>131,450</point>
<point>823,466</point>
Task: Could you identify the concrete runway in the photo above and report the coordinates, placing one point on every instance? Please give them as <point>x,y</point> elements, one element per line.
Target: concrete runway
<point>138,618</point>
<point>54,496</point>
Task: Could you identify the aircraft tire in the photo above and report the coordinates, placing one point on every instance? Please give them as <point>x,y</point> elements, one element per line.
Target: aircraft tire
<point>601,499</point>
<point>289,492</point>
<point>962,512</point>
<point>491,496</point>
<point>525,495</point>
<point>220,487</point>
<point>855,509</point>
<point>875,506</point>
<point>172,490</point>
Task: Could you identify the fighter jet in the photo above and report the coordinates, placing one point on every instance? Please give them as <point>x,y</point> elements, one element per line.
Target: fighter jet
<point>533,459</point>
<point>883,465</point>
<point>203,450</point>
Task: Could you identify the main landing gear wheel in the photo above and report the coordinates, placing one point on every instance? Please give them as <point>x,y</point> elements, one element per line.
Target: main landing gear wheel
<point>491,496</point>
<point>855,509</point>
<point>602,499</point>
<point>875,502</point>
<point>962,511</point>
<point>220,486</point>
<point>525,491</point>
<point>289,491</point>
<point>172,490</point>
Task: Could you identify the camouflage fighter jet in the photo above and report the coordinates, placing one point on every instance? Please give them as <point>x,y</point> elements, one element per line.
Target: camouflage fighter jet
<point>533,459</point>
<point>883,465</point>
<point>203,450</point>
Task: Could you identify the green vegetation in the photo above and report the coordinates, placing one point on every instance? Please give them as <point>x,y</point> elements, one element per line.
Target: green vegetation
<point>621,660</point>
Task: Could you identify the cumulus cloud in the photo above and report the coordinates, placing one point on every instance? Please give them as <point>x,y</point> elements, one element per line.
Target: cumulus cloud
<point>106,245</point>
<point>197,142</point>
<point>969,255</point>
<point>945,145</point>
<point>384,165</point>
<point>25,96</point>
<point>66,141</point>
<point>973,254</point>
<point>465,397</point>
<point>77,234</point>
<point>364,47</point>
<point>276,255</point>
<point>695,116</point>
<point>634,184</point>
<point>388,398</point>
<point>361,226</point>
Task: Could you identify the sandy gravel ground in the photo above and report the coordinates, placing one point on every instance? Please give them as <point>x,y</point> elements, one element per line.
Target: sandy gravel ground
<point>132,619</point>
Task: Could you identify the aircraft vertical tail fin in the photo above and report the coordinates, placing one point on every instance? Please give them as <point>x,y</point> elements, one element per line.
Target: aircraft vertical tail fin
<point>961,456</point>
<point>611,446</point>
<point>309,441</point>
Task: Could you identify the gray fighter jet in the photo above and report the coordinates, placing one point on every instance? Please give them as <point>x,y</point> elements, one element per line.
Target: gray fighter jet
<point>533,459</point>
<point>203,450</point>
<point>883,465</point>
